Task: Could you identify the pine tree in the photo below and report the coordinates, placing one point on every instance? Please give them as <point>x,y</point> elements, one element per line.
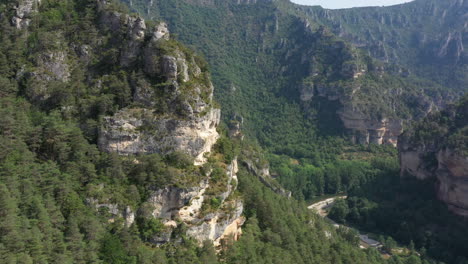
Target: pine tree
<point>10,236</point>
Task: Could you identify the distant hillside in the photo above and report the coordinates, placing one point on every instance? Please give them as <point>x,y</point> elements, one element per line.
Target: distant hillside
<point>429,37</point>
<point>287,72</point>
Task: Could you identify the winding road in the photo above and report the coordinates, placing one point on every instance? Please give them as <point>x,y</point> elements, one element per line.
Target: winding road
<point>321,208</point>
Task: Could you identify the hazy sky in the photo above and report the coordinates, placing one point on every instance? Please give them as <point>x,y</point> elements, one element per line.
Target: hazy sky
<point>334,4</point>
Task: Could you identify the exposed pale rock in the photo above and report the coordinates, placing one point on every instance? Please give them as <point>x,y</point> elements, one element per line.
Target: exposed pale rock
<point>184,204</point>
<point>263,173</point>
<point>115,210</point>
<point>168,202</point>
<point>412,162</point>
<point>452,174</point>
<point>307,92</point>
<point>169,67</point>
<point>362,128</point>
<point>23,12</point>
<point>219,225</point>
<point>452,48</point>
<point>160,32</point>
<point>235,127</point>
<point>135,39</point>
<point>365,130</point>
<point>232,170</point>
<point>53,66</point>
<point>427,160</point>
<point>133,131</point>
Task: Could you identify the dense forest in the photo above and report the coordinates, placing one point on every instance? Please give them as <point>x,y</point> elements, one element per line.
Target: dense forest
<point>62,77</point>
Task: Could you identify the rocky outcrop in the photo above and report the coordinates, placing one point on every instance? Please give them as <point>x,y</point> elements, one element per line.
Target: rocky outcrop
<point>263,174</point>
<point>448,167</point>
<point>174,116</point>
<point>363,117</point>
<point>133,131</point>
<point>135,40</point>
<point>160,31</point>
<point>368,131</point>
<point>235,127</point>
<point>183,206</point>
<point>114,210</point>
<point>437,148</point>
<point>452,48</point>
<point>220,226</point>
<point>54,66</point>
<point>171,111</point>
<point>418,160</point>
<point>23,11</point>
<point>362,128</point>
<point>442,40</point>
<point>51,66</point>
<point>452,175</point>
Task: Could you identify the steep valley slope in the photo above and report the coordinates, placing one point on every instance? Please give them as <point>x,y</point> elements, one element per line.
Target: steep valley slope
<point>113,150</point>
<point>274,56</point>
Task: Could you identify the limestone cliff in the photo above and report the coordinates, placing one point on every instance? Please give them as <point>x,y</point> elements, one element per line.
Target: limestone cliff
<point>371,96</point>
<point>375,131</point>
<point>384,33</point>
<point>437,148</point>
<point>139,130</point>
<point>171,111</point>
<point>173,115</point>
<point>176,206</point>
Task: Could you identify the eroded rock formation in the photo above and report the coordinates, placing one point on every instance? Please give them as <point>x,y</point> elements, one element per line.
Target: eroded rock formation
<point>23,12</point>
<point>366,131</point>
<point>139,130</point>
<point>176,206</point>
<point>437,148</point>
<point>448,167</point>
<point>172,110</point>
<point>176,116</point>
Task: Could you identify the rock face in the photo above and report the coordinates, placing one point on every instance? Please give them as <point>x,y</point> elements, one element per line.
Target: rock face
<point>52,66</point>
<point>452,173</point>
<point>135,38</point>
<point>437,148</point>
<point>114,210</point>
<point>23,11</point>
<point>367,109</point>
<point>176,115</point>
<point>263,174</point>
<point>366,131</point>
<point>220,226</point>
<point>362,128</point>
<point>176,206</point>
<point>449,168</point>
<point>171,111</point>
<point>383,32</point>
<point>133,131</point>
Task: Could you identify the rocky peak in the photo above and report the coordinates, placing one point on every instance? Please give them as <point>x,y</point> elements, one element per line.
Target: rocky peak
<point>176,115</point>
